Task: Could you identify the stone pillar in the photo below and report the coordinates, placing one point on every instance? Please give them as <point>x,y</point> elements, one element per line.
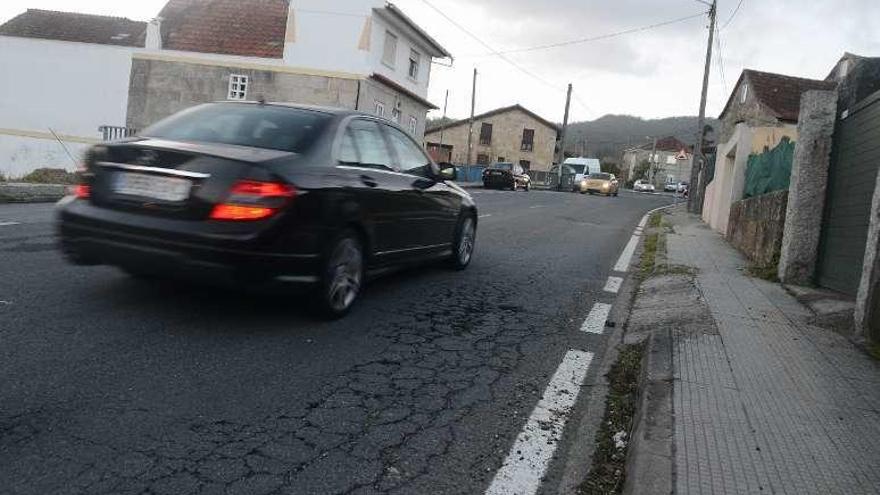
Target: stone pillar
<point>806,194</point>
<point>868,298</point>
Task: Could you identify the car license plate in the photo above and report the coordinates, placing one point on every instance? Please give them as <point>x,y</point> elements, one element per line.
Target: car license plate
<point>152,186</point>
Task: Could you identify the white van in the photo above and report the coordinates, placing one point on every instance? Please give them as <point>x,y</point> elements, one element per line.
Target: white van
<point>583,167</point>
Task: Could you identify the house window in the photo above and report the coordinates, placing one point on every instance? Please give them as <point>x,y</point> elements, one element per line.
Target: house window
<point>380,109</point>
<point>414,59</point>
<point>238,87</point>
<point>413,125</point>
<point>395,115</point>
<point>389,55</point>
<point>525,164</point>
<point>501,159</point>
<point>482,159</point>
<point>528,140</point>
<point>745,93</point>
<point>486,134</point>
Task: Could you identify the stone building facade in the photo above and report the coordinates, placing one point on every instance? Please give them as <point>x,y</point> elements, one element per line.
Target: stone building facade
<point>511,134</point>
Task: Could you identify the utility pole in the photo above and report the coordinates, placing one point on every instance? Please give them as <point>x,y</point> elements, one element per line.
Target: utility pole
<point>697,185</point>
<point>471,121</point>
<point>560,157</point>
<point>443,125</point>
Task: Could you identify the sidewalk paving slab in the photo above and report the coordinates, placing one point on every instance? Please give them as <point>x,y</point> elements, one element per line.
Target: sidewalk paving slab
<point>764,401</point>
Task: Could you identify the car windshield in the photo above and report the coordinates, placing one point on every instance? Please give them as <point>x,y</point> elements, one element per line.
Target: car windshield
<point>601,176</point>
<point>258,126</point>
<point>503,166</point>
<point>578,169</point>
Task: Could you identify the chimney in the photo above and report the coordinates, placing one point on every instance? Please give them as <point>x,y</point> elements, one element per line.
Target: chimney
<point>154,34</point>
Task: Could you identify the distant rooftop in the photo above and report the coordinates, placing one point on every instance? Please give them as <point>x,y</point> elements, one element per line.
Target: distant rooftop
<point>780,93</point>
<point>71,26</point>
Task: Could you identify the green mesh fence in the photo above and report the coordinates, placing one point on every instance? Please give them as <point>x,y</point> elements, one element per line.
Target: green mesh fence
<point>770,171</point>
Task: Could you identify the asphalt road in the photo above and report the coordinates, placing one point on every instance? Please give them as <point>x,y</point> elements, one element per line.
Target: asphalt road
<point>114,385</point>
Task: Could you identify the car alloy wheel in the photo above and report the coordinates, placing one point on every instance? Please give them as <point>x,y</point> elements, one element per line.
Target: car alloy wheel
<point>344,273</point>
<point>466,237</point>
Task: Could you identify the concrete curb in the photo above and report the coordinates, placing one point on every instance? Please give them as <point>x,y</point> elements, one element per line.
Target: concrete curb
<point>31,193</point>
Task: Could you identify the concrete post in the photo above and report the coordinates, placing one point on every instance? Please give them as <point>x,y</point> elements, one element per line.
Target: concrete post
<point>806,195</point>
<point>868,298</point>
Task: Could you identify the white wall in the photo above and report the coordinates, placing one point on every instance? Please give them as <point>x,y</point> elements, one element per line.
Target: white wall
<point>21,155</point>
<point>71,88</point>
<point>327,36</point>
<point>399,73</point>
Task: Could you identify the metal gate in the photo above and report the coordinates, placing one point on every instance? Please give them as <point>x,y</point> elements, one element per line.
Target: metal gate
<point>851,180</point>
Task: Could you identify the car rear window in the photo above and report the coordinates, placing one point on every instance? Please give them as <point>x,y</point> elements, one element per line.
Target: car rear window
<point>601,176</point>
<point>503,166</point>
<point>258,126</point>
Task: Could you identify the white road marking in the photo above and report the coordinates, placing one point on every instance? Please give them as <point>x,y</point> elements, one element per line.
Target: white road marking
<point>613,285</point>
<point>530,455</point>
<point>644,221</point>
<point>627,254</point>
<point>595,322</point>
<point>537,206</point>
<point>487,215</point>
<point>9,224</point>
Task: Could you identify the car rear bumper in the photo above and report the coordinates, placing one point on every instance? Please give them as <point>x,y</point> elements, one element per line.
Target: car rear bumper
<point>88,242</point>
<point>497,181</point>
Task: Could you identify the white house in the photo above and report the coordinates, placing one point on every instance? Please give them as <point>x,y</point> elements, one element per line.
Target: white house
<point>77,73</point>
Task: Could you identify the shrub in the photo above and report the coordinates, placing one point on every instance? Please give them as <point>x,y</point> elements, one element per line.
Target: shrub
<point>50,176</point>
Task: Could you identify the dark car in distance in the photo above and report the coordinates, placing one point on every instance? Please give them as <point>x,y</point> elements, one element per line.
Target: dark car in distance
<point>267,195</point>
<point>506,176</point>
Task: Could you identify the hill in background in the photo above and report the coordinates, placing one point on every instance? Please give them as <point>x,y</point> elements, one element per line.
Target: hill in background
<point>610,135</point>
<point>607,137</point>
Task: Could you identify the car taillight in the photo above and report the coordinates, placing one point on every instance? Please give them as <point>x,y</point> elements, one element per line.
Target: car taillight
<point>82,191</point>
<point>253,200</point>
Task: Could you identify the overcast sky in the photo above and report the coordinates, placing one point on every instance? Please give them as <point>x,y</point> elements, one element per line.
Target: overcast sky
<point>655,73</point>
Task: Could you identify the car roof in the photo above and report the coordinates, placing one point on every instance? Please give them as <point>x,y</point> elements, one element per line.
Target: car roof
<point>299,106</point>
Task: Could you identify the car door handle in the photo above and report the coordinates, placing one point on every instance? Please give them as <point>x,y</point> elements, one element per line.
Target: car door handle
<point>369,181</point>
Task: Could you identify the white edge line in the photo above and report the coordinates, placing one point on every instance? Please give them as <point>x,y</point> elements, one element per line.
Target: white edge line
<point>487,215</point>
<point>9,224</point>
<point>595,322</point>
<point>613,285</point>
<point>627,254</point>
<point>530,455</point>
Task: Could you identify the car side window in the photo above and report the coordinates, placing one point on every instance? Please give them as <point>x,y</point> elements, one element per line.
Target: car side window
<point>412,159</point>
<point>372,151</point>
<point>348,152</point>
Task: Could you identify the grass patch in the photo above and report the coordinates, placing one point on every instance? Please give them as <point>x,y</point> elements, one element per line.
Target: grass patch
<point>655,220</point>
<point>874,351</point>
<point>768,272</point>
<point>649,254</point>
<point>50,176</point>
<point>608,471</point>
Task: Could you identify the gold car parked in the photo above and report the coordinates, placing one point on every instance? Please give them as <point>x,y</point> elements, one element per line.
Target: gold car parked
<point>600,183</point>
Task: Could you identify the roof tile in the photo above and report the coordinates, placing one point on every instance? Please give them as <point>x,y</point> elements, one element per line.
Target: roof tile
<point>70,26</point>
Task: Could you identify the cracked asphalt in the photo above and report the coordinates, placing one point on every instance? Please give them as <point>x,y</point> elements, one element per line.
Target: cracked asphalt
<point>114,385</point>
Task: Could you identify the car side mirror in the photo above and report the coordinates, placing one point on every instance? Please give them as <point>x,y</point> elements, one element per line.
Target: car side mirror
<point>447,171</point>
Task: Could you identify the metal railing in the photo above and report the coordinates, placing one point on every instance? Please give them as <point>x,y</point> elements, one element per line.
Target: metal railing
<point>112,132</point>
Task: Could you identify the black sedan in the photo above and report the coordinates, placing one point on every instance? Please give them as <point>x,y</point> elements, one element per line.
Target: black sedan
<point>262,195</point>
<point>506,176</point>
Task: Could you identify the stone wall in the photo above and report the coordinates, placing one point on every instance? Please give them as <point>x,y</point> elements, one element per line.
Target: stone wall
<point>507,133</point>
<point>161,88</point>
<point>756,226</point>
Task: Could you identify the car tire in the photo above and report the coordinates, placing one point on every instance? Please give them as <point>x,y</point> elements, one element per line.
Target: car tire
<point>342,275</point>
<point>615,195</point>
<point>464,242</point>
<point>528,186</point>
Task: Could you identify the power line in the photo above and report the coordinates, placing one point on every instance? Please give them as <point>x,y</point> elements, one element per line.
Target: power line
<point>720,60</point>
<point>598,38</point>
<point>493,50</point>
<point>730,19</point>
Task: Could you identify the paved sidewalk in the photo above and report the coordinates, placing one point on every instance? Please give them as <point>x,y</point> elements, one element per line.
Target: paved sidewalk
<point>766,402</point>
